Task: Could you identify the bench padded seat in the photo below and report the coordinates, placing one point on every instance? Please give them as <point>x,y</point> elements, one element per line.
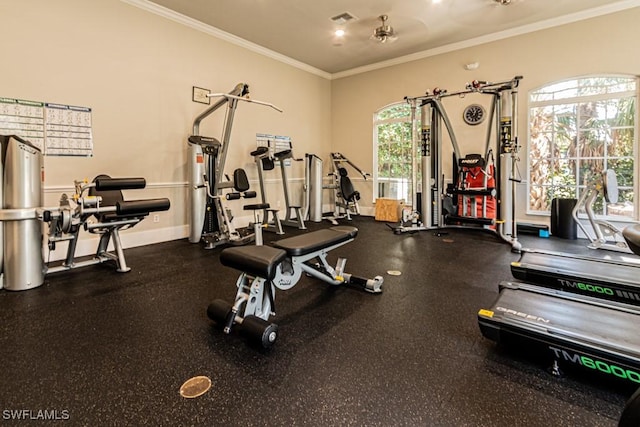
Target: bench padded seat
<point>312,242</point>
<point>258,261</point>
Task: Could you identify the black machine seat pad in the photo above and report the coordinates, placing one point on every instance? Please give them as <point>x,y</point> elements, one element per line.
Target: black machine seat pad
<point>136,208</point>
<point>632,236</point>
<point>282,154</point>
<point>311,242</point>
<point>256,206</point>
<point>103,183</point>
<point>259,261</point>
<point>346,188</point>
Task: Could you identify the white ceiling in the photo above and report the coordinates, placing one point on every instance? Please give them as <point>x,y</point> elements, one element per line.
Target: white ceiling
<point>302,29</point>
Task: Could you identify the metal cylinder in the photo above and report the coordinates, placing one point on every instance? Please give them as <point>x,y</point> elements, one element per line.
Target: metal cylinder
<point>197,191</point>
<point>22,175</point>
<point>505,141</point>
<point>314,165</point>
<point>425,144</point>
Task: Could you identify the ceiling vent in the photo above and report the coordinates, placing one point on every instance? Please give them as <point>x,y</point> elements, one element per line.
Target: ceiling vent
<point>343,18</point>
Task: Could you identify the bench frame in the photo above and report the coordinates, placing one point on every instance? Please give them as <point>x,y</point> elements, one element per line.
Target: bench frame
<point>255,297</point>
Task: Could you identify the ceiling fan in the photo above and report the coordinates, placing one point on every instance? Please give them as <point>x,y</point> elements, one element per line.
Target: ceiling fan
<point>384,33</point>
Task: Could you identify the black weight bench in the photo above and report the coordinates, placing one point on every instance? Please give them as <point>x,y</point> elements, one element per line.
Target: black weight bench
<point>265,268</point>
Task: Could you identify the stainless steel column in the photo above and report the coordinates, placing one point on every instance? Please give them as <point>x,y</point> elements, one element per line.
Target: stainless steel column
<point>314,189</point>
<point>22,175</point>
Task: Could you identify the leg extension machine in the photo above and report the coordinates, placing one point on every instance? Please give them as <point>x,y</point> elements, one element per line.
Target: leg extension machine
<point>100,209</point>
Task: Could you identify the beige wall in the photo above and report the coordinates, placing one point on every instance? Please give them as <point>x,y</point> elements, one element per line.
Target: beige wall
<point>136,71</point>
<point>601,45</point>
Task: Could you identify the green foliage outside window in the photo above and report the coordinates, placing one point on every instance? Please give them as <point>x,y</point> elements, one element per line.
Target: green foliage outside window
<point>579,128</point>
<point>394,152</point>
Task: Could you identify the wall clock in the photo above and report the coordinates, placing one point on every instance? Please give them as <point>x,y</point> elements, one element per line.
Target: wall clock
<point>474,114</point>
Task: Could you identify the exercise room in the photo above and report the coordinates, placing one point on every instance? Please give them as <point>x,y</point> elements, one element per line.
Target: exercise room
<point>357,212</point>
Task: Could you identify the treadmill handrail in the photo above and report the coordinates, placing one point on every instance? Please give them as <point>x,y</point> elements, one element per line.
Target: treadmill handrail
<point>586,299</point>
<point>607,259</point>
<point>577,272</point>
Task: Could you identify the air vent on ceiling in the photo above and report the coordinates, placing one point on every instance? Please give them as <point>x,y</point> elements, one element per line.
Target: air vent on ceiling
<point>343,18</point>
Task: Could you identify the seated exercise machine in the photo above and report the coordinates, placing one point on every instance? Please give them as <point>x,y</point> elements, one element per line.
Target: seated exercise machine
<point>241,187</point>
<point>266,156</point>
<point>210,220</point>
<point>589,325</point>
<point>605,235</point>
<point>345,196</point>
<point>265,268</point>
<point>97,207</point>
<point>483,190</point>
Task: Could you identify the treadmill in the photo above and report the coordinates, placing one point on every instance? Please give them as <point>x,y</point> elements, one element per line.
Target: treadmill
<point>600,336</point>
<point>594,325</point>
<point>602,278</point>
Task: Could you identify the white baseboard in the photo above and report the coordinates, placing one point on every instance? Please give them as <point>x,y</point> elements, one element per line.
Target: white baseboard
<point>368,211</point>
<point>129,238</point>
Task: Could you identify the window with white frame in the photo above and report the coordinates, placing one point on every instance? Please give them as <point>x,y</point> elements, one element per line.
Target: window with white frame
<point>577,129</point>
<point>393,152</point>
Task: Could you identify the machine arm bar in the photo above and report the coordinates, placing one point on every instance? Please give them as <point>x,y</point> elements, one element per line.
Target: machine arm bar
<point>242,98</point>
<point>474,87</point>
<point>363,173</point>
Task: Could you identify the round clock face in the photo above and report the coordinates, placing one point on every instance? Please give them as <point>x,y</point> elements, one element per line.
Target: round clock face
<point>474,114</point>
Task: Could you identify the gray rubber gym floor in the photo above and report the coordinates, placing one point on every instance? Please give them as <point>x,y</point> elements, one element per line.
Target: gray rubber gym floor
<point>114,349</point>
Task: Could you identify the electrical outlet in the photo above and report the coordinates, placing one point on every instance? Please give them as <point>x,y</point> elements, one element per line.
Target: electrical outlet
<point>156,218</point>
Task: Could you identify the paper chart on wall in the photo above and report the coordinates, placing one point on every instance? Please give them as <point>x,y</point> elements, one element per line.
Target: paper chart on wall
<point>56,129</point>
<point>68,130</point>
<point>24,119</point>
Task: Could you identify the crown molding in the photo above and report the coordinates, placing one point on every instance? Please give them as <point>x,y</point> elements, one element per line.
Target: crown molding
<point>223,35</point>
<point>164,12</point>
<point>501,35</point>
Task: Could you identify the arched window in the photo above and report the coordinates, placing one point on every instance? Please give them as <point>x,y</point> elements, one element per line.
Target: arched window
<point>578,128</point>
<point>393,152</point>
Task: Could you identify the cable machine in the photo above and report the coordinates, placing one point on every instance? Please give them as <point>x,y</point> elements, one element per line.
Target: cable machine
<point>483,191</point>
<point>209,219</point>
